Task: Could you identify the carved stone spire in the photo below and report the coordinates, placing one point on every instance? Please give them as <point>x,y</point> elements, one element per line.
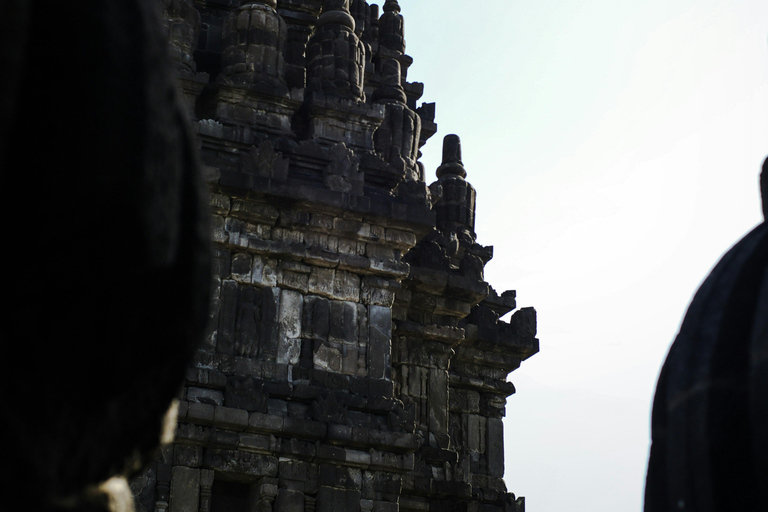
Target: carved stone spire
<point>372,32</point>
<point>183,23</point>
<point>397,139</point>
<point>255,37</point>
<point>361,12</point>
<point>335,55</point>
<point>392,27</point>
<point>391,87</point>
<point>455,209</point>
<point>452,164</point>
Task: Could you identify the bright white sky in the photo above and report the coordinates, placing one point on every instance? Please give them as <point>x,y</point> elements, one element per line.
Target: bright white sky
<point>615,146</point>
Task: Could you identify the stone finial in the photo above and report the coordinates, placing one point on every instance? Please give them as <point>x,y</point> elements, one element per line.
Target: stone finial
<point>335,55</point>
<point>182,21</point>
<point>361,11</point>
<point>254,36</point>
<point>452,164</point>
<point>336,11</point>
<point>455,209</point>
<point>391,83</point>
<point>391,6</point>
<point>392,27</point>
<point>397,139</point>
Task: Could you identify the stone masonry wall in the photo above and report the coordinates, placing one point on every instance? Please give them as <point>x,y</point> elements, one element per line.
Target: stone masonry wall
<point>356,360</point>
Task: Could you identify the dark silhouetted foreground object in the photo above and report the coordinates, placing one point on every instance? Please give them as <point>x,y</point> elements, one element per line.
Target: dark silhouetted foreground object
<point>106,243</point>
<point>710,413</point>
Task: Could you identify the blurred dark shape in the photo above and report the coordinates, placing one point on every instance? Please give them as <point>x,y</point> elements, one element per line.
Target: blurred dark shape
<point>106,242</point>
<point>710,412</point>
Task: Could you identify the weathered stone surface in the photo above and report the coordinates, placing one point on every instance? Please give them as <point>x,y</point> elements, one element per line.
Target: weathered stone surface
<point>190,456</point>
<point>240,462</point>
<point>379,341</point>
<point>185,489</point>
<point>356,359</point>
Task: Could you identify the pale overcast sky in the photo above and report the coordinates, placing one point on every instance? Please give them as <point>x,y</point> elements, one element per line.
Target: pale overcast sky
<point>615,147</point>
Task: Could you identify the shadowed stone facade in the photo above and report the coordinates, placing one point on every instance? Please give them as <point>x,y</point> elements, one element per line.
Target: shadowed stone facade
<point>357,360</point>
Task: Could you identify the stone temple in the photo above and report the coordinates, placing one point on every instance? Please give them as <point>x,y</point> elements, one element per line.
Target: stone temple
<point>356,359</point>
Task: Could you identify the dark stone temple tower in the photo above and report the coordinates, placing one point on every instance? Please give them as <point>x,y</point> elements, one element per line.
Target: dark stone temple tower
<point>356,360</point>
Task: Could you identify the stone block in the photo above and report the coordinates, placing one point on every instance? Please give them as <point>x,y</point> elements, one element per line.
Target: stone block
<point>385,506</point>
<point>340,476</point>
<point>438,401</point>
<point>205,396</point>
<point>379,342</point>
<point>346,286</point>
<point>317,255</point>
<point>265,422</point>
<point>227,317</point>
<point>304,428</point>
<point>343,326</point>
<point>224,439</point>
<point>476,431</point>
<point>201,414</point>
<point>349,359</point>
<point>246,335</point>
<point>288,235</point>
<point>269,327</point>
<point>289,469</point>
<point>321,281</point>
<point>362,326</point>
<point>315,321</point>
<point>257,270</point>
<point>264,271</point>
<point>191,433</point>
<point>187,455</point>
<point>289,501</point>
<point>293,280</point>
<point>295,266</point>
<point>357,458</point>
<point>241,267</point>
<point>221,262</point>
<point>335,500</point>
<point>305,450</point>
<point>297,409</point>
<point>220,204</point>
<point>291,307</point>
<point>340,434</point>
<point>391,268</point>
<point>324,222</point>
<point>265,487</point>
<point>218,229</point>
<point>244,463</point>
<point>230,418</point>
<point>495,442</point>
<point>205,377</point>
<point>404,239</point>
<point>185,489</point>
<point>373,293</point>
<point>181,414</point>
<point>236,231</point>
<point>257,443</point>
<point>245,392</point>
<point>353,263</point>
<point>255,211</point>
<point>327,357</point>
